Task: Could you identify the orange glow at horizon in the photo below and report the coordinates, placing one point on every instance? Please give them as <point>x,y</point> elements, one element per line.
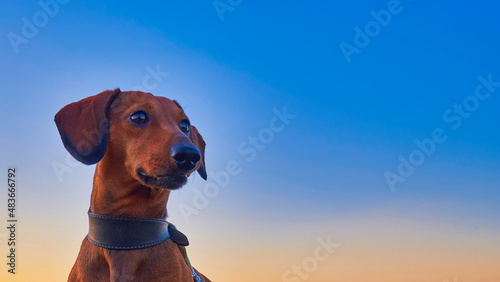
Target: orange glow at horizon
<point>368,250</point>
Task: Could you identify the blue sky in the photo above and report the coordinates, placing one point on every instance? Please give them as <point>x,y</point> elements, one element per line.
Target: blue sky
<point>352,120</point>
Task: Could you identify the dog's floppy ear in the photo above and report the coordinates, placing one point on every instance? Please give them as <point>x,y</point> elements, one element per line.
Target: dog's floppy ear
<point>84,126</point>
<point>200,144</point>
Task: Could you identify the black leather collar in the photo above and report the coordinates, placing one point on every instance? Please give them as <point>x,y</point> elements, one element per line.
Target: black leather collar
<point>127,233</point>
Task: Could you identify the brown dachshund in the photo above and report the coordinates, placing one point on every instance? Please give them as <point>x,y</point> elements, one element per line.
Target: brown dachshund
<point>144,147</point>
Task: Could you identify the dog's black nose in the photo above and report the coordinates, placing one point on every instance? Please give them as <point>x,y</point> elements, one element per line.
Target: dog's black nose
<point>186,157</point>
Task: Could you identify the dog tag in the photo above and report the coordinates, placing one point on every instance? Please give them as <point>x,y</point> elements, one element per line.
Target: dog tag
<point>178,237</point>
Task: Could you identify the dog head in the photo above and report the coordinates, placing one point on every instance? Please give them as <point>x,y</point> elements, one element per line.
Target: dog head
<point>147,137</point>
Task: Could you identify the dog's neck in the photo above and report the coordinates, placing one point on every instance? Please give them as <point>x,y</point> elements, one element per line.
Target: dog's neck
<point>117,193</point>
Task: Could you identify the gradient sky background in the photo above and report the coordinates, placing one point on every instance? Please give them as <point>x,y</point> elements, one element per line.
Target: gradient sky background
<point>322,176</point>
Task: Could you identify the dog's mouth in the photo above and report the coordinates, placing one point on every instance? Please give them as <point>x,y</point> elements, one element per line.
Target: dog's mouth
<point>164,181</point>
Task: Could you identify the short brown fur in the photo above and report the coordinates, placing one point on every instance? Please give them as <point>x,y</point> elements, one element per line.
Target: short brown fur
<point>101,122</point>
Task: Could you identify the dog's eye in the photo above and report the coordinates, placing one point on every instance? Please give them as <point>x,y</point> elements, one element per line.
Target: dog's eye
<point>184,126</point>
<point>139,117</point>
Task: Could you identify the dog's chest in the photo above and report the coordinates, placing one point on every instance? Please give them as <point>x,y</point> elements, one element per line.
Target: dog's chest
<point>161,263</point>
